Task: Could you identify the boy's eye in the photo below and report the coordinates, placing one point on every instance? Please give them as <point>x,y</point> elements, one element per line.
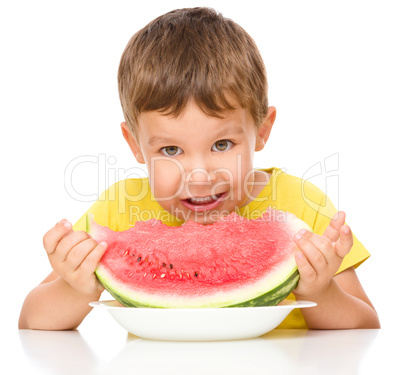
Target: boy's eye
<point>171,150</point>
<point>222,145</point>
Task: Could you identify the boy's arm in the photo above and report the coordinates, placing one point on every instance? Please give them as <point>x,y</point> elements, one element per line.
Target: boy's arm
<point>341,300</point>
<point>55,305</point>
<point>61,301</point>
<point>344,305</point>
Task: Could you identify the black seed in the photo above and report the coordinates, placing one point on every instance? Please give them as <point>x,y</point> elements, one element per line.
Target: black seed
<point>163,264</point>
<point>196,274</point>
<point>171,266</point>
<point>139,259</point>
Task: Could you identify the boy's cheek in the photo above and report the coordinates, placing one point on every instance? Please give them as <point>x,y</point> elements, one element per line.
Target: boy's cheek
<point>165,177</point>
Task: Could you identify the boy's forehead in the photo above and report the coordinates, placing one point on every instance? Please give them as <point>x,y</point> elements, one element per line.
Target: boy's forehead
<point>152,123</point>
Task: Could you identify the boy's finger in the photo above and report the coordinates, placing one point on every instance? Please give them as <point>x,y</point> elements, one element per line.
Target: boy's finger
<point>79,252</point>
<point>332,230</point>
<point>345,242</point>
<point>91,261</point>
<point>325,246</point>
<point>68,243</point>
<point>307,272</point>
<point>313,255</point>
<point>54,235</point>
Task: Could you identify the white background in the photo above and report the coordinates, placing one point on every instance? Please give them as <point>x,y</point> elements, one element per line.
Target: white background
<point>334,76</point>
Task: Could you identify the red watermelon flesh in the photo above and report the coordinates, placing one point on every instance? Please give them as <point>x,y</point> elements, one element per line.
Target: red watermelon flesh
<point>233,262</point>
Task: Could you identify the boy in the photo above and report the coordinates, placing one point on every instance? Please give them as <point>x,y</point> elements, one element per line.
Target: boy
<point>193,89</point>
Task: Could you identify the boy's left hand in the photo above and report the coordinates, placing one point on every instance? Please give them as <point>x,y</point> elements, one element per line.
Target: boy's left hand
<point>321,256</point>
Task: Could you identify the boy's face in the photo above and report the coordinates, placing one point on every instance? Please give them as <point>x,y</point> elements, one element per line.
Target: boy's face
<point>200,167</point>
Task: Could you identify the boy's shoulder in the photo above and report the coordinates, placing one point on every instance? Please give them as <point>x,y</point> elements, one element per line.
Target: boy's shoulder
<point>287,184</point>
<point>297,195</point>
<point>117,204</point>
<point>127,188</point>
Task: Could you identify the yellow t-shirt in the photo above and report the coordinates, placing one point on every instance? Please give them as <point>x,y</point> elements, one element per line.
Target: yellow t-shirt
<point>131,200</point>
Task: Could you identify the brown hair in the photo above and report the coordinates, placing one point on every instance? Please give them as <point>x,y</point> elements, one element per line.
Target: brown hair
<point>192,54</point>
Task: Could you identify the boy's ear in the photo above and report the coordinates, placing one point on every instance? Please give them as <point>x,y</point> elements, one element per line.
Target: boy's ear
<point>265,129</point>
<point>134,145</point>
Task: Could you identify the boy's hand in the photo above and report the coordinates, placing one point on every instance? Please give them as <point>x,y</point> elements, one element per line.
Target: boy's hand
<point>74,256</point>
<point>321,256</point>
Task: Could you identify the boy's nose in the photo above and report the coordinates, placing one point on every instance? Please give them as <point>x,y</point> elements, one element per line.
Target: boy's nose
<point>200,175</point>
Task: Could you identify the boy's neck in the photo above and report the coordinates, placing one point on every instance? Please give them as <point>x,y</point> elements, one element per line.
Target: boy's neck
<point>261,179</point>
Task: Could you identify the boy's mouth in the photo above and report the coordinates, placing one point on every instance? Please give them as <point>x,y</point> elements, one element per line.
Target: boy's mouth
<point>204,203</point>
<point>204,200</point>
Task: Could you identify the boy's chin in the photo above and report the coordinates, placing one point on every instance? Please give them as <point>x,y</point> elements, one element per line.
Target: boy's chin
<point>203,217</point>
<point>205,220</point>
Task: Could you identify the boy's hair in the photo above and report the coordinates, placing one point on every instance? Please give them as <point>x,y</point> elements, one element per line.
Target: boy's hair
<point>192,54</point>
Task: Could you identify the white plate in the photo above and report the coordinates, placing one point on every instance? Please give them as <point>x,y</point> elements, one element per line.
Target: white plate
<point>232,323</point>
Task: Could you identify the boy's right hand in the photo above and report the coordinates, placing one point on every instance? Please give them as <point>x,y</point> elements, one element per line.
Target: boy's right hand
<point>74,256</point>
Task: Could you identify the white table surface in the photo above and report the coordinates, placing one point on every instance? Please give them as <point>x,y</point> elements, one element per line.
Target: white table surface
<point>101,346</point>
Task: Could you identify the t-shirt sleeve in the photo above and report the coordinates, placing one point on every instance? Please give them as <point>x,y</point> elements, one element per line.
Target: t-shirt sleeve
<point>358,254</point>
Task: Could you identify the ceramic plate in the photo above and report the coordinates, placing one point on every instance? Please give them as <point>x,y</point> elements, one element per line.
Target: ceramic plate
<point>201,324</point>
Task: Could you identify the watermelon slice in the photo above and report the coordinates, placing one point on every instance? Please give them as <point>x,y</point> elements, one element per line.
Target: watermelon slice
<point>235,262</point>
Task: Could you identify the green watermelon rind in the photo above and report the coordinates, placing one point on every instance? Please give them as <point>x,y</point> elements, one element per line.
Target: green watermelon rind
<point>274,296</point>
<point>284,282</point>
<point>270,298</point>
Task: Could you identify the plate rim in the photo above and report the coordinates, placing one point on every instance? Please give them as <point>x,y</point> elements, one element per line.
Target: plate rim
<point>293,304</point>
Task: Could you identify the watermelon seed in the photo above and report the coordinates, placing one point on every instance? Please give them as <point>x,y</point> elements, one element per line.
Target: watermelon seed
<point>188,275</point>
<point>163,275</point>
<point>163,264</point>
<point>154,275</point>
<point>139,259</point>
<point>171,266</point>
<point>145,274</point>
<point>125,253</point>
<point>196,274</point>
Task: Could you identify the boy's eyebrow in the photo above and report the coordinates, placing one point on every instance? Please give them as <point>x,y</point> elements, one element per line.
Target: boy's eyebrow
<point>230,131</point>
<point>158,139</point>
<point>166,140</point>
